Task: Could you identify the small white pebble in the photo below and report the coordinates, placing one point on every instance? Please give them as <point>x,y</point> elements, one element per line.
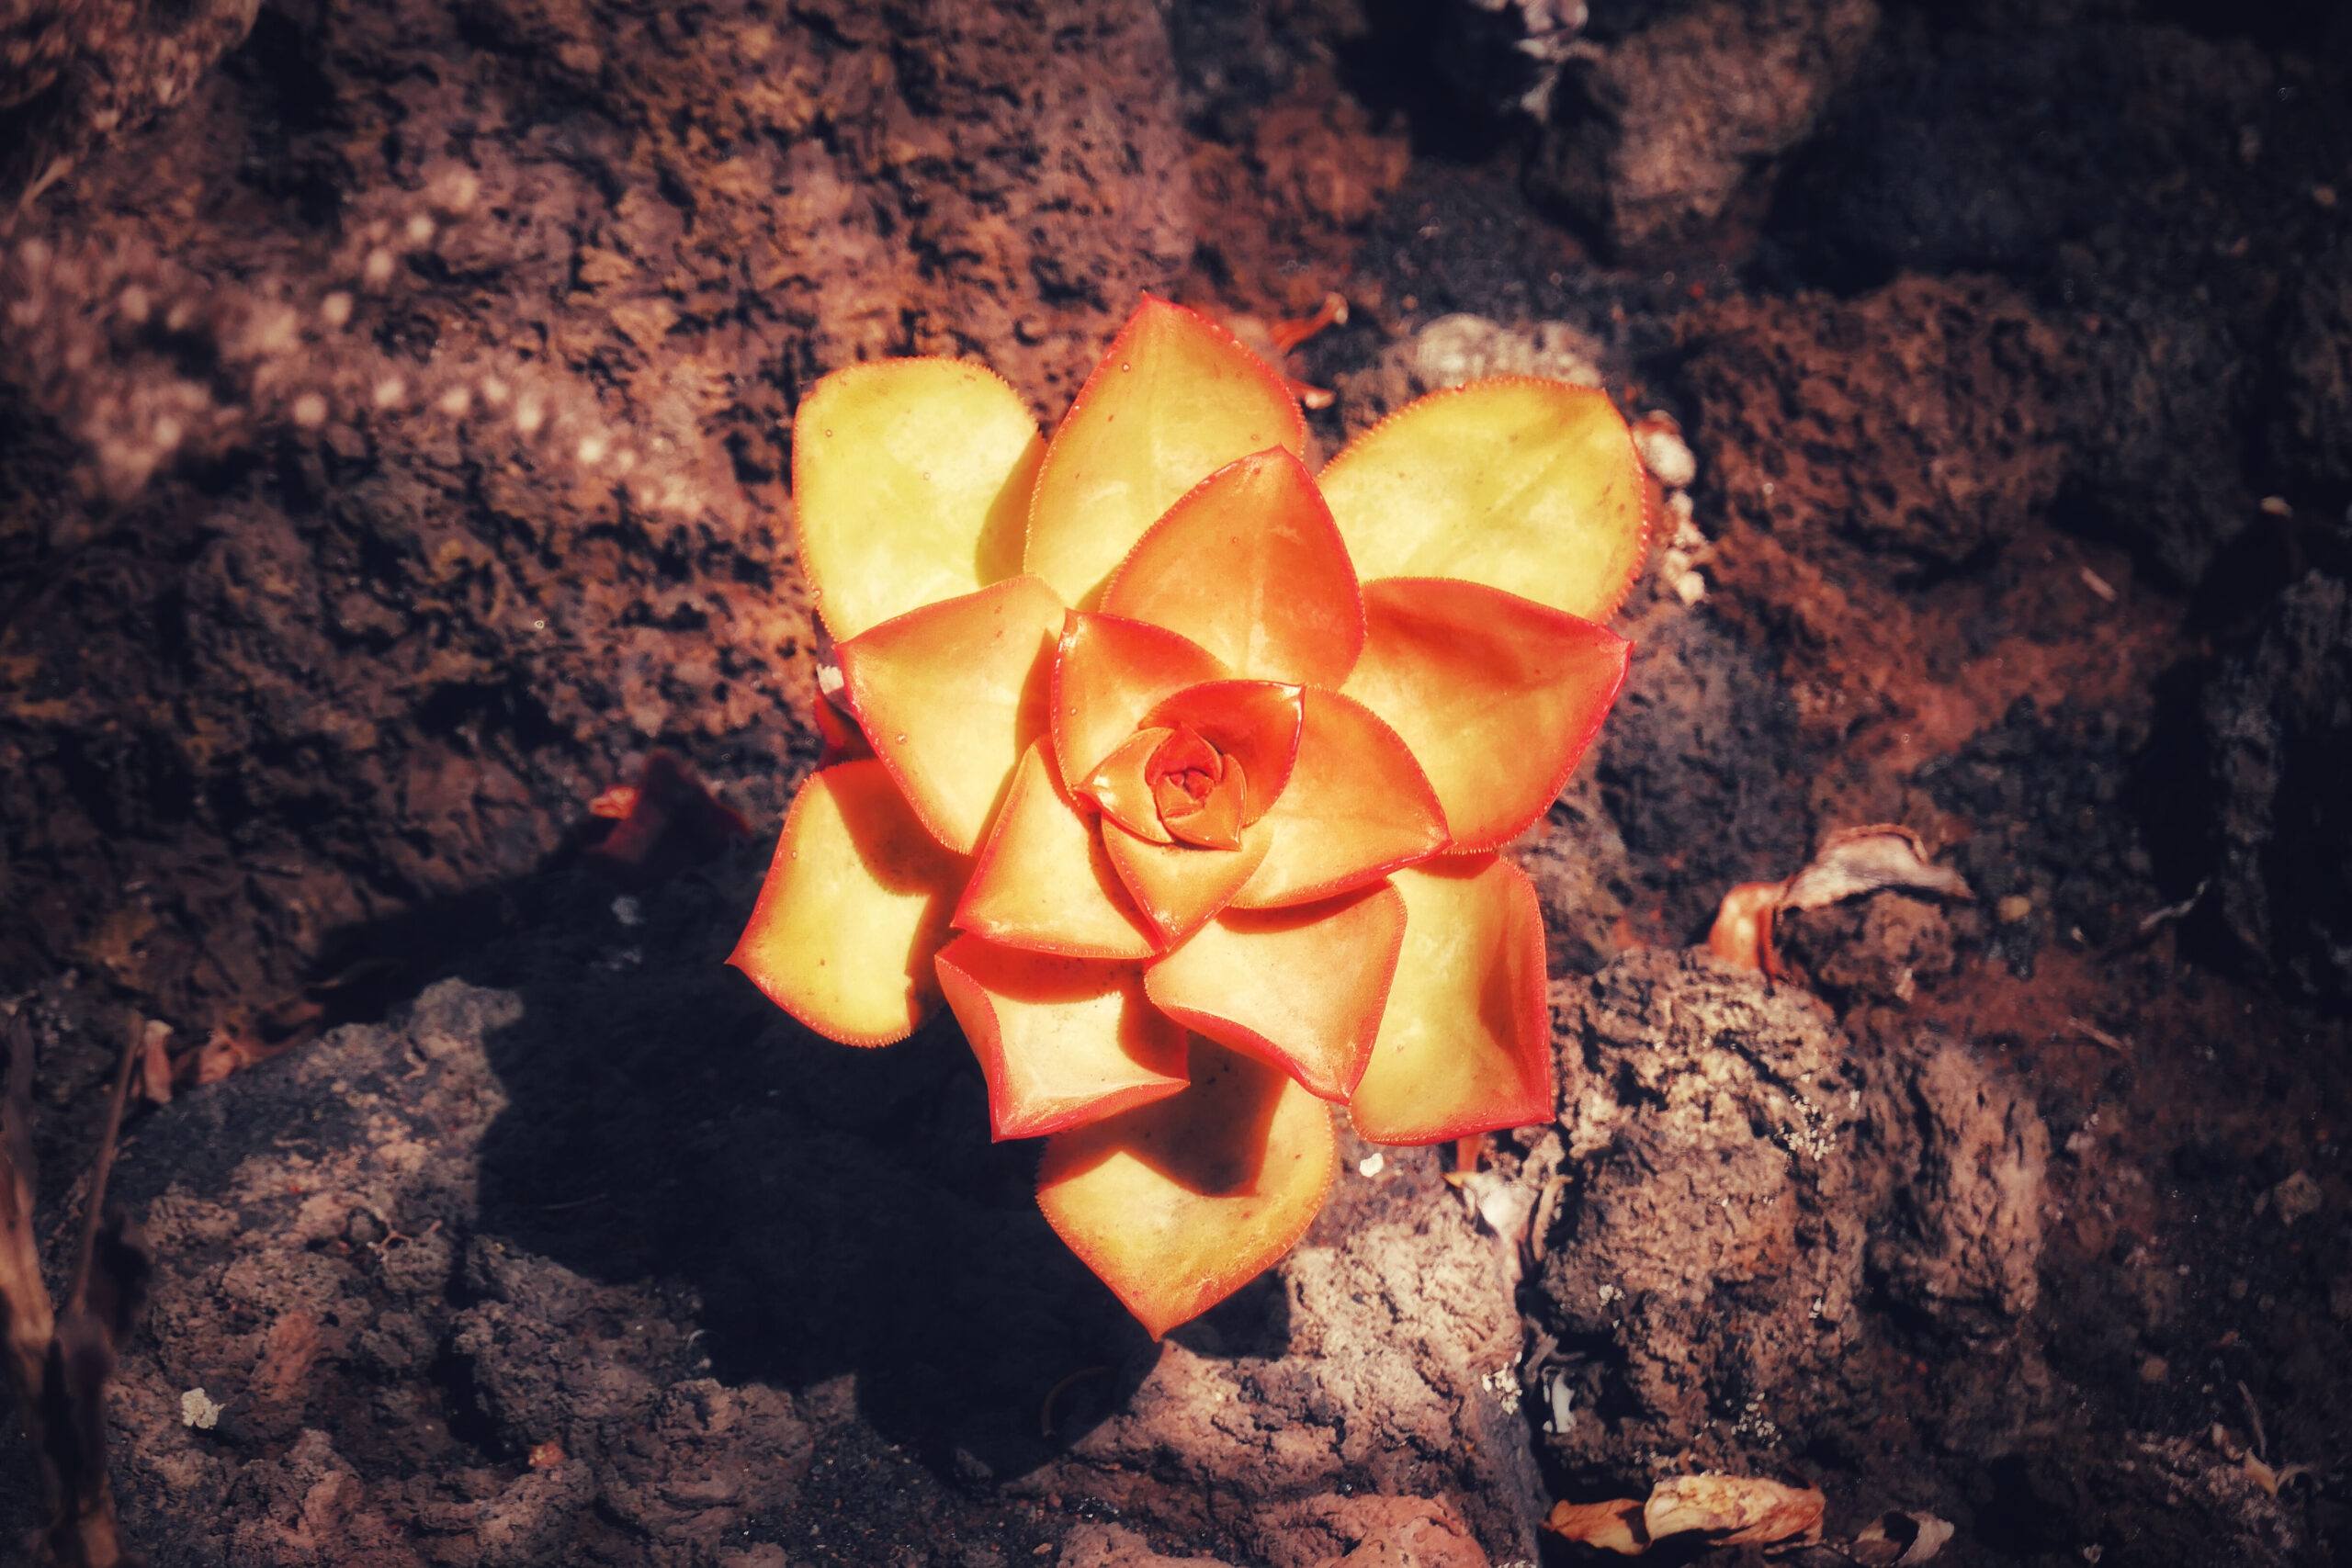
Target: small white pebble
<point>35,254</point>
<point>2324,195</point>
<point>590,450</point>
<point>529,415</point>
<point>420,230</point>
<point>2098,585</point>
<point>309,410</point>
<point>181,317</point>
<point>389,392</point>
<point>167,433</point>
<point>456,401</point>
<point>457,191</point>
<point>335,309</point>
<point>493,390</point>
<point>198,1410</point>
<point>134,305</point>
<point>1691,588</point>
<point>627,912</point>
<point>2276,506</point>
<point>1660,442</point>
<point>377,270</point>
<point>1372,1163</point>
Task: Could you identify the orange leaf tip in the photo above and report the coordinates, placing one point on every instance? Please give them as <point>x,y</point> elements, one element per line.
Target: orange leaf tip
<point>1177,1205</point>
<point>1176,398</point>
<point>952,693</point>
<point>1061,1041</point>
<point>854,906</point>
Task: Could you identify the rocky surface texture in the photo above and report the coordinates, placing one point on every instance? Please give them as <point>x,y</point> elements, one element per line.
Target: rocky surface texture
<point>394,412</point>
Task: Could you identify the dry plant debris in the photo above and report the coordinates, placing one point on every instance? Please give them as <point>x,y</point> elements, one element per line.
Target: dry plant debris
<point>1727,1510</point>
<point>59,1361</point>
<point>1850,862</point>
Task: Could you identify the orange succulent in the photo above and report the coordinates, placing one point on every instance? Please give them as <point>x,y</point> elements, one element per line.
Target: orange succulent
<point>1187,769</point>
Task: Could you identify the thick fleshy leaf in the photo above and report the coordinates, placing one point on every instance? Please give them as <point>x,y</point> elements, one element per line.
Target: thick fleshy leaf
<point>855,904</point>
<point>1108,674</point>
<point>1255,722</point>
<point>911,484</point>
<point>1356,809</point>
<point>1180,1204</point>
<point>951,694</point>
<point>1176,886</point>
<point>1532,487</point>
<point>1249,566</point>
<point>1061,1041</point>
<point>1174,400</point>
<point>1044,881</point>
<point>1465,1045</point>
<point>1497,696</point>
<point>1302,988</point>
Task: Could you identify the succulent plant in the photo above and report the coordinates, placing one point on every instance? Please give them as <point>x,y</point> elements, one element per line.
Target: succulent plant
<point>1178,772</point>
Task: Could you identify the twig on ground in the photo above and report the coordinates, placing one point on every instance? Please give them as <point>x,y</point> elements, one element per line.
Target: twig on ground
<point>58,1362</point>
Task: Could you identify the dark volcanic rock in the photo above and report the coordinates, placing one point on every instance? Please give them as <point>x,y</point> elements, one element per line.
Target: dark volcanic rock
<point>1651,134</point>
<point>2278,719</point>
<point>422,451</point>
<point>1747,1191</point>
<point>1924,419</point>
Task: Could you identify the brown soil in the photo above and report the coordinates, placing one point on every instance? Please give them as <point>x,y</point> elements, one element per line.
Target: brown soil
<point>394,417</point>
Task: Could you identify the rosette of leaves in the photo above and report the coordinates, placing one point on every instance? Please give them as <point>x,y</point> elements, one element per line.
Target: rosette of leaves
<point>1178,770</point>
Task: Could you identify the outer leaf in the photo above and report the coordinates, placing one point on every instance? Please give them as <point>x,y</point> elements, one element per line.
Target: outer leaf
<point>1497,696</point>
<point>1177,1205</point>
<point>1177,886</point>
<point>1108,674</point>
<point>1301,988</point>
<point>1465,1045</point>
<point>1356,809</point>
<point>1176,398</point>
<point>1249,566</point>
<point>910,483</point>
<point>855,904</point>
<point>1044,882</point>
<point>1532,487</point>
<point>952,693</point>
<point>1255,722</point>
<point>1061,1041</point>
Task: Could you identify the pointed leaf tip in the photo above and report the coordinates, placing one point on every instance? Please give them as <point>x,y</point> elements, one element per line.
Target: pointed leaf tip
<point>1528,486</point>
<point>1176,398</point>
<point>1497,697</point>
<point>1249,565</point>
<point>1181,1203</point>
<point>856,905</point>
<point>1061,1041</point>
<point>951,694</point>
<point>1465,1044</point>
<point>911,484</point>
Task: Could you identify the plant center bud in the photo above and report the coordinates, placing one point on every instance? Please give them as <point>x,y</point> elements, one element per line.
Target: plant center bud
<point>1196,790</point>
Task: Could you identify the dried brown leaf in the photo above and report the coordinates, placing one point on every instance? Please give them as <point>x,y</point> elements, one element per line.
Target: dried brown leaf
<point>1855,860</point>
<point>1612,1527</point>
<point>1737,1510</point>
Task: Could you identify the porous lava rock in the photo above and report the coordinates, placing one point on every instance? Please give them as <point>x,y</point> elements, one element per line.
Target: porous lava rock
<point>2279,721</point>
<point>1708,1249</point>
<point>2310,434</point>
<point>1923,420</point>
<point>399,427</point>
<point>1651,134</point>
<point>608,1261</point>
<point>1746,1194</point>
